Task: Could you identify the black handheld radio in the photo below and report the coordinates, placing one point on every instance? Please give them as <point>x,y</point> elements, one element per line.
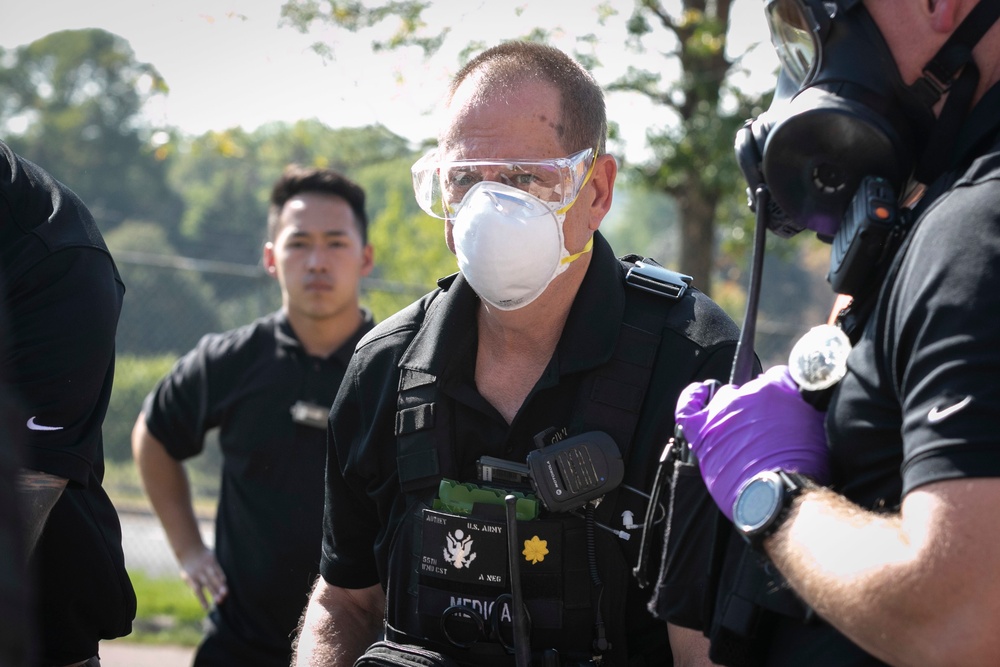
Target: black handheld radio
<point>565,475</point>
<point>865,236</point>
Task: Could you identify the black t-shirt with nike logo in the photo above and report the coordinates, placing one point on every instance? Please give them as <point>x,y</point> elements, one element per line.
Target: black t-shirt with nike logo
<point>62,295</point>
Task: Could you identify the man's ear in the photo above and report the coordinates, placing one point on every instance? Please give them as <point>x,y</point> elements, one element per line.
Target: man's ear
<point>603,181</point>
<point>269,262</point>
<point>946,15</point>
<point>367,259</point>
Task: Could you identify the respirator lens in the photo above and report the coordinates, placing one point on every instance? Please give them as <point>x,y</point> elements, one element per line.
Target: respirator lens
<point>794,34</point>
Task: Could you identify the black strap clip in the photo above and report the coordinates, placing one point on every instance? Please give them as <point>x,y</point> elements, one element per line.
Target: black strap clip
<point>647,275</point>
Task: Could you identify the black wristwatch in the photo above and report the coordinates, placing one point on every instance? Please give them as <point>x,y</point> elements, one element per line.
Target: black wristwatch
<point>763,503</point>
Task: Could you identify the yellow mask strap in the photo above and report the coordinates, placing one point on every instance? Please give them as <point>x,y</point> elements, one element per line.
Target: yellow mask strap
<point>587,248</point>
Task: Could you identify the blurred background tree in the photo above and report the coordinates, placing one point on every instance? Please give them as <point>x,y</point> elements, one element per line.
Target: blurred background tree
<point>72,102</point>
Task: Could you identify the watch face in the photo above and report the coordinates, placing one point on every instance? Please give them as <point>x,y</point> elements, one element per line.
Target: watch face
<point>758,503</point>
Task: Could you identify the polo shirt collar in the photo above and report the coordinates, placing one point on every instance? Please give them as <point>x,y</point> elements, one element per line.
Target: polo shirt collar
<point>283,333</point>
<point>286,339</point>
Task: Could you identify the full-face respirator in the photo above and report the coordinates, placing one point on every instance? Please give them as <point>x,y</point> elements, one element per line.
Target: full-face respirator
<point>841,112</point>
<point>846,140</point>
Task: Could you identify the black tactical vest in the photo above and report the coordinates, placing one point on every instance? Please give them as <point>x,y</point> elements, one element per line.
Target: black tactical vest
<point>449,576</point>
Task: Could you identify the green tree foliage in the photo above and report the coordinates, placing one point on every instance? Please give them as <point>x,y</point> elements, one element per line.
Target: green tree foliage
<point>226,178</point>
<point>224,182</point>
<point>71,102</point>
<point>693,157</point>
<point>410,252</point>
<point>134,378</point>
<point>642,221</point>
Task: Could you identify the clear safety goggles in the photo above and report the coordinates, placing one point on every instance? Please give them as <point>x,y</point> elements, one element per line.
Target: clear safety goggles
<point>441,185</point>
<point>797,28</point>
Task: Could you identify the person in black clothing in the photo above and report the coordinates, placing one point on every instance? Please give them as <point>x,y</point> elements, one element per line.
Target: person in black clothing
<point>268,387</point>
<point>15,589</point>
<point>61,296</point>
<point>879,513</point>
<point>540,341</point>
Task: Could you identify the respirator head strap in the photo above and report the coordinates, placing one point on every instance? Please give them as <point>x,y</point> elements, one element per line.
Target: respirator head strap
<point>952,70</point>
<point>942,70</point>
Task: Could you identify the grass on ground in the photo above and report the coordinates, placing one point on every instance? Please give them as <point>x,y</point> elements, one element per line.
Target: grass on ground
<point>167,612</point>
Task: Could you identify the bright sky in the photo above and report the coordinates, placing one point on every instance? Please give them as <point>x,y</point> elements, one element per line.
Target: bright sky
<point>228,63</point>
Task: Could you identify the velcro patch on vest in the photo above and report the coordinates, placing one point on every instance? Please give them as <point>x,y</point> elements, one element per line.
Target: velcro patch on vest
<point>464,549</point>
<point>472,550</point>
<point>417,418</point>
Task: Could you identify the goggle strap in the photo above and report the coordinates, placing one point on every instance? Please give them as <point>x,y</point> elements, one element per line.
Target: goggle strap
<point>587,248</point>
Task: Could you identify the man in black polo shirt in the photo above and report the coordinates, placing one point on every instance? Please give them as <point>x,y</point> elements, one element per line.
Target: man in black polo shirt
<point>540,338</point>
<point>62,295</point>
<point>879,513</point>
<point>268,386</point>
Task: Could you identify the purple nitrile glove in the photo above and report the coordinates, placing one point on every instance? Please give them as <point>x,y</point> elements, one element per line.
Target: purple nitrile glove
<point>763,425</point>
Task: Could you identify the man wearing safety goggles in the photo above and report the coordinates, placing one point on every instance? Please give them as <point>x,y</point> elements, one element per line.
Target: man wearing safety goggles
<point>878,509</point>
<point>543,343</point>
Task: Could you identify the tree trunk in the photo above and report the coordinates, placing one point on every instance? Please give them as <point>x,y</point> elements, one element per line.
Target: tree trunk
<point>697,243</point>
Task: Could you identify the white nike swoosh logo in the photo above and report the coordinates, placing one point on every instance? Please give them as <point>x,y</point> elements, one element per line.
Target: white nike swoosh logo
<point>936,414</point>
<point>38,427</point>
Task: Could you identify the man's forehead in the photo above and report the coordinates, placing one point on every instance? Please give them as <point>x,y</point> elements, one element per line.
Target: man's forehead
<point>510,121</point>
<point>314,199</point>
<point>311,212</point>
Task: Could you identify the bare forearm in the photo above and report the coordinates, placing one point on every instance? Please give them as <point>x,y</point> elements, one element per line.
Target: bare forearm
<point>38,492</point>
<point>329,640</point>
<point>898,585</point>
<point>689,647</point>
<point>338,626</point>
<point>172,503</point>
<point>169,492</point>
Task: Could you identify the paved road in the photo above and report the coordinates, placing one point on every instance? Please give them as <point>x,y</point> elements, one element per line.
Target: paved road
<point>120,653</point>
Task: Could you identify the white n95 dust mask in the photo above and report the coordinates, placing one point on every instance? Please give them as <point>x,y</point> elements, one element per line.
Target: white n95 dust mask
<point>510,244</point>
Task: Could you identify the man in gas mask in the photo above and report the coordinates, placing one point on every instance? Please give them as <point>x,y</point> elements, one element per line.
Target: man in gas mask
<point>879,508</point>
<point>543,343</point>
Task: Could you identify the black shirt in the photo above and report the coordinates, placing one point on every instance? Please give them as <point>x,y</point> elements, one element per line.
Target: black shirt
<point>268,525</point>
<point>920,400</point>
<point>62,295</point>
<point>363,488</point>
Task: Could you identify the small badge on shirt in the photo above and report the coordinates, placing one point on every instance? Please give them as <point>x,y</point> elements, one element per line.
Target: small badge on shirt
<point>310,414</point>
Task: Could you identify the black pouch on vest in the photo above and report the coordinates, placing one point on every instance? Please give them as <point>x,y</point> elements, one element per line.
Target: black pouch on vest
<point>686,586</point>
<point>391,654</point>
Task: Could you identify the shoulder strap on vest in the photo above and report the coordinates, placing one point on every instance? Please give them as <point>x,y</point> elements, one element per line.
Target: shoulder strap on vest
<point>611,397</point>
<point>416,454</point>
<point>420,426</point>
